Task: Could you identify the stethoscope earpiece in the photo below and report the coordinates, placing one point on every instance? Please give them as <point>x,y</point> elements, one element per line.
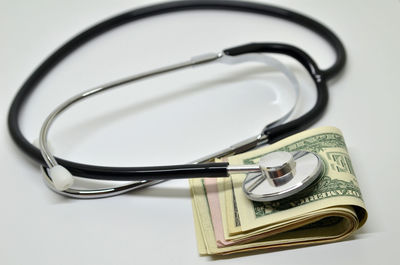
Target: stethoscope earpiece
<point>61,178</point>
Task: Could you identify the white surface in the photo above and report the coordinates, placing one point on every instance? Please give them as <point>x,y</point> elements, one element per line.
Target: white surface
<point>173,120</point>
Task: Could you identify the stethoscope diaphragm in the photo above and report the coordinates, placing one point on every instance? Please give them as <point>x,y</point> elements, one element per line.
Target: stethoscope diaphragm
<point>282,174</point>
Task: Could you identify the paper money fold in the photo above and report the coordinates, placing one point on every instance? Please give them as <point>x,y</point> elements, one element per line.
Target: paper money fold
<point>328,210</point>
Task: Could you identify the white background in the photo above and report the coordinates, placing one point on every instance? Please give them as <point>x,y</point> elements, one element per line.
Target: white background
<point>178,118</point>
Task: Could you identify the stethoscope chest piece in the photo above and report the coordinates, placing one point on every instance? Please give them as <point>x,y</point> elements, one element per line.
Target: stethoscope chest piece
<point>282,174</point>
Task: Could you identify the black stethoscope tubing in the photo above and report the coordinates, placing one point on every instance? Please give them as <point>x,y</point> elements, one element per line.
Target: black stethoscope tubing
<point>196,170</point>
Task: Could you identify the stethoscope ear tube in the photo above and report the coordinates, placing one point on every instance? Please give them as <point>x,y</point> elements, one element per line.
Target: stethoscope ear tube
<point>62,178</point>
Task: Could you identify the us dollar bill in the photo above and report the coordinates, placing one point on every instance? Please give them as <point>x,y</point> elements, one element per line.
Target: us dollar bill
<point>329,210</point>
<point>338,184</point>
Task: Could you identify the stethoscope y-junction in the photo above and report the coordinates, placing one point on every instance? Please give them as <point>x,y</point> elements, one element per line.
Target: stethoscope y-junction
<point>278,174</point>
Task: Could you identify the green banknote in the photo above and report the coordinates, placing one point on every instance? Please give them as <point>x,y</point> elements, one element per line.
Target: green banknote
<point>329,210</point>
<point>337,185</point>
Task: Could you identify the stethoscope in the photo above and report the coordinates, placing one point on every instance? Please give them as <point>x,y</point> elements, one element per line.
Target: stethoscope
<point>278,174</point>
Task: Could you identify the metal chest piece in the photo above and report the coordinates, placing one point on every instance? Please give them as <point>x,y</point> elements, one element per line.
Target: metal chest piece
<point>282,175</point>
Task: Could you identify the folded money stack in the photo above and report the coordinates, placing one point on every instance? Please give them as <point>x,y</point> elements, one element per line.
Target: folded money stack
<point>328,210</point>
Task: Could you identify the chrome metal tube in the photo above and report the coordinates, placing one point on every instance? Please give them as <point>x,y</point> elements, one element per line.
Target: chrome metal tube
<point>48,156</point>
<point>245,145</point>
